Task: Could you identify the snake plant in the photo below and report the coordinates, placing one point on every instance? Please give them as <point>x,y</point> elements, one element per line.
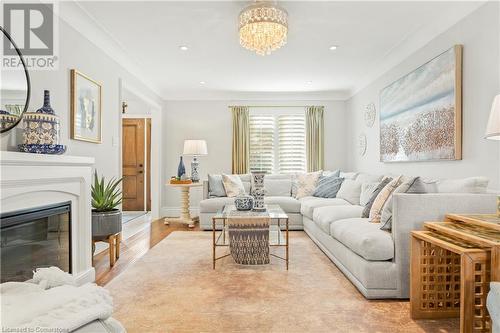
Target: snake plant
<point>106,196</point>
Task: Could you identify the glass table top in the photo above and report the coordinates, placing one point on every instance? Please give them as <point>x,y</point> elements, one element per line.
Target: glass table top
<point>272,211</point>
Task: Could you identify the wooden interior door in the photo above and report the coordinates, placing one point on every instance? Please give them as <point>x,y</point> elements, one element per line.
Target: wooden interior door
<point>133,163</point>
<point>148,163</point>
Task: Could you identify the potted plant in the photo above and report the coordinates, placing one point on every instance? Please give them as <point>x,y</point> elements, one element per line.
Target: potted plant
<point>106,218</point>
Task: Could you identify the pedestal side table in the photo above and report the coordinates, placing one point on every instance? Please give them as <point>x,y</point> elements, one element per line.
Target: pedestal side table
<point>185,216</point>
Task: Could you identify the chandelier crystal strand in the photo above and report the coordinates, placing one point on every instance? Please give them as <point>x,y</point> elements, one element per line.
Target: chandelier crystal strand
<point>263,27</point>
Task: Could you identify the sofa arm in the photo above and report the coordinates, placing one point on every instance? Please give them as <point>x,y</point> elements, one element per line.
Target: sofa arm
<point>205,189</point>
<point>410,211</point>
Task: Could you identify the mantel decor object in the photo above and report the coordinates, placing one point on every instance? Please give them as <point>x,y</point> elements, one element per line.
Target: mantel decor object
<point>195,148</point>
<point>258,191</point>
<point>41,130</point>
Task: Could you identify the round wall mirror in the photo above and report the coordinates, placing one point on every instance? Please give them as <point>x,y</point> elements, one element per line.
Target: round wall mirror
<point>15,86</point>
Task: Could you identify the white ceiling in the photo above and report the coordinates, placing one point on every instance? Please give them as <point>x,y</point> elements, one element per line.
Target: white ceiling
<point>372,37</point>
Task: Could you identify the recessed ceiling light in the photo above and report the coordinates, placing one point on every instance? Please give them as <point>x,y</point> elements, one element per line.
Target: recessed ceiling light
<point>183,48</point>
<point>309,82</point>
<point>333,47</point>
<point>202,82</point>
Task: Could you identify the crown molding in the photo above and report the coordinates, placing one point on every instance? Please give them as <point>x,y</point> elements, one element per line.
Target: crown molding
<point>410,44</point>
<point>88,26</point>
<point>218,95</point>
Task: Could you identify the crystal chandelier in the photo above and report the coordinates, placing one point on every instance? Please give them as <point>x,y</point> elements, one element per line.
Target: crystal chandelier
<point>263,27</point>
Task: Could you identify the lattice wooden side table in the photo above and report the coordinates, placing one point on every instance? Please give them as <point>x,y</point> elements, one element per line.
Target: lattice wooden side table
<point>449,278</point>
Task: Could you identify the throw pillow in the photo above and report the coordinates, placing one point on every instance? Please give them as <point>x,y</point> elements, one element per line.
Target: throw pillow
<point>350,191</point>
<point>423,186</point>
<point>381,198</point>
<point>278,185</point>
<point>335,173</point>
<point>306,183</point>
<point>369,204</point>
<point>215,186</point>
<point>233,185</point>
<point>328,186</point>
<point>367,190</point>
<point>386,215</point>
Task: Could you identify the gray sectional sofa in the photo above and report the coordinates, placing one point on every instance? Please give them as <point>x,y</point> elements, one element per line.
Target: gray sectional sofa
<point>376,261</point>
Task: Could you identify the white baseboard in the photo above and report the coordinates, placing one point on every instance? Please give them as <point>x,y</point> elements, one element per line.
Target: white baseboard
<point>85,276</point>
<point>176,211</point>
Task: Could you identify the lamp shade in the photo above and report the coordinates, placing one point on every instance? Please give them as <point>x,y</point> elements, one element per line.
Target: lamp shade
<point>195,147</point>
<point>493,128</point>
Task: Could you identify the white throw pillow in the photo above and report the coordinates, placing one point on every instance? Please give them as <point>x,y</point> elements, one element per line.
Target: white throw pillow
<point>349,175</point>
<point>278,185</point>
<point>367,190</point>
<point>233,185</point>
<point>465,185</point>
<point>306,183</point>
<point>350,191</point>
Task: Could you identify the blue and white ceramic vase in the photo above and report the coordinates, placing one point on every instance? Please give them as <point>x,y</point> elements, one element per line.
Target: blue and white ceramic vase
<point>41,130</point>
<point>243,202</point>
<point>258,191</point>
<point>181,169</point>
<point>7,120</point>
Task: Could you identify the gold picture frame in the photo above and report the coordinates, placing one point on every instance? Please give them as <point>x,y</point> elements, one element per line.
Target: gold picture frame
<point>418,123</point>
<point>86,108</point>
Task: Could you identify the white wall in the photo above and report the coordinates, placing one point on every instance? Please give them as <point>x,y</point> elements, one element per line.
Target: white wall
<point>75,51</point>
<point>479,33</point>
<point>211,121</point>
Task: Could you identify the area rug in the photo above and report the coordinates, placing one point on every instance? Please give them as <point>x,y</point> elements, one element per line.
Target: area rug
<point>173,288</point>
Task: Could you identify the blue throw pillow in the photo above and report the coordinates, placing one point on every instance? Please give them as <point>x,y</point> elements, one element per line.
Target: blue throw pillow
<point>328,186</point>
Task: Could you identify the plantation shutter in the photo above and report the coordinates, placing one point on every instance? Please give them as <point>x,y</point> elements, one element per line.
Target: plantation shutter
<point>262,128</point>
<point>292,143</point>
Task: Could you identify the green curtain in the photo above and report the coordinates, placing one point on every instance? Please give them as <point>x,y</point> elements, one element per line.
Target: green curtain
<point>315,138</point>
<point>241,139</point>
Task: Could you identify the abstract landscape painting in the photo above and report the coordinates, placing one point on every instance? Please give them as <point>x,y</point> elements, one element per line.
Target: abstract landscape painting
<point>420,114</point>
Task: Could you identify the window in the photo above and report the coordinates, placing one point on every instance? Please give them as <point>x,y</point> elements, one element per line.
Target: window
<point>277,140</point>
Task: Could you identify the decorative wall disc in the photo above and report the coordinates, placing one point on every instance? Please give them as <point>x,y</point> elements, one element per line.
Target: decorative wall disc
<point>362,144</point>
<point>370,113</point>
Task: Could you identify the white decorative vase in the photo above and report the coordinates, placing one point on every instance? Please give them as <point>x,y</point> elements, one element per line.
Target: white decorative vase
<point>258,191</point>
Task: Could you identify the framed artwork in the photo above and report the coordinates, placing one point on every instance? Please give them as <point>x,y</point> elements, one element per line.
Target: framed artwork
<point>421,113</point>
<point>86,112</point>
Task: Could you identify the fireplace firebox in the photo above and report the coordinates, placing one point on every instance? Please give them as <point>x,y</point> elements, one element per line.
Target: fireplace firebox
<point>33,238</point>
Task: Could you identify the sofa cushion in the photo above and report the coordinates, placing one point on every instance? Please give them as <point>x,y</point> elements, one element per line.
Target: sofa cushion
<point>278,185</point>
<point>328,186</point>
<point>364,238</point>
<point>381,198</point>
<point>324,216</point>
<point>350,190</point>
<point>465,185</point>
<point>233,185</point>
<point>368,178</point>
<point>306,183</point>
<point>369,204</point>
<point>308,204</point>
<point>212,205</point>
<point>216,187</point>
<point>288,204</point>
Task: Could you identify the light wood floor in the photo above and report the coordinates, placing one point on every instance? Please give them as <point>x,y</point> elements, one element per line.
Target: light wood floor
<point>134,248</point>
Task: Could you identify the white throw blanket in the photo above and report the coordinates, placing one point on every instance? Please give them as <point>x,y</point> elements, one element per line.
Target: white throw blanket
<point>63,308</point>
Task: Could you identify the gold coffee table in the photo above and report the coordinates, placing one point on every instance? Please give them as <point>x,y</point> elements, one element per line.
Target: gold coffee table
<point>277,237</point>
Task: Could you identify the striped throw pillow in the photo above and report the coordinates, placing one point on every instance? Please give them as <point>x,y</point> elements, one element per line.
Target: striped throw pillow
<point>328,186</point>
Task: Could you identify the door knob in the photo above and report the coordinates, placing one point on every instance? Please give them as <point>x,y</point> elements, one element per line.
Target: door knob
<point>140,171</point>
<point>140,165</point>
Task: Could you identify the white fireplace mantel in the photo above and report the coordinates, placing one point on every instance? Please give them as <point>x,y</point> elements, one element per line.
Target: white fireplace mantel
<point>34,180</point>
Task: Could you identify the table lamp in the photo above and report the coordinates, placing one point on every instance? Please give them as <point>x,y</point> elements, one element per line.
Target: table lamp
<point>195,148</point>
<point>493,130</point>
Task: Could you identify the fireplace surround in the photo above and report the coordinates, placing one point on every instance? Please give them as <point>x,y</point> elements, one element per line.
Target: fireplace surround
<point>31,181</point>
